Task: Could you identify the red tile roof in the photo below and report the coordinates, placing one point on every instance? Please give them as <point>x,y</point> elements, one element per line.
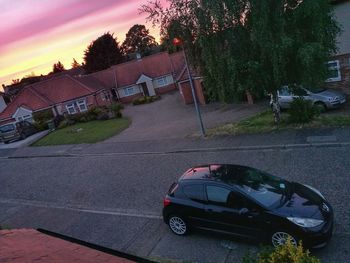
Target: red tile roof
<point>28,245</point>
<point>153,66</point>
<point>28,98</point>
<point>53,91</point>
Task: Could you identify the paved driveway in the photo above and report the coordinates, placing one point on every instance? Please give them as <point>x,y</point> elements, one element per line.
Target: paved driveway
<point>170,118</point>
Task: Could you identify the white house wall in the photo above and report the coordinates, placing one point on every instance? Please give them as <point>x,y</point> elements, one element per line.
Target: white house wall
<point>169,79</point>
<point>342,12</point>
<point>122,94</point>
<point>21,113</point>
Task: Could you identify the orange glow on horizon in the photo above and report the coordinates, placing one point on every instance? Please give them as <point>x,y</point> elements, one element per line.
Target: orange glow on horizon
<point>38,52</point>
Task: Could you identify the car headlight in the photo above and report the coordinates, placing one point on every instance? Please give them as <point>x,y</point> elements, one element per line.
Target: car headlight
<point>305,222</point>
<point>315,190</point>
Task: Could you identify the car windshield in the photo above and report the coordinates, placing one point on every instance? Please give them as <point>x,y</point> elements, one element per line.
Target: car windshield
<point>316,90</point>
<point>264,188</point>
<point>7,128</point>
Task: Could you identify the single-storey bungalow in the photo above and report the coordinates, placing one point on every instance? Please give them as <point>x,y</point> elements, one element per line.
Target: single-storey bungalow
<point>62,95</point>
<point>66,94</point>
<point>149,76</point>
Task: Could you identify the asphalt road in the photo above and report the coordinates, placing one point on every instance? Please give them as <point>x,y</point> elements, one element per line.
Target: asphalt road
<point>116,201</point>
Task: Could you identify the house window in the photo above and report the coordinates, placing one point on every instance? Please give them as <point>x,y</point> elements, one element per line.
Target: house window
<point>129,91</point>
<point>70,108</point>
<point>161,82</point>
<point>25,118</point>
<point>334,71</point>
<point>82,105</point>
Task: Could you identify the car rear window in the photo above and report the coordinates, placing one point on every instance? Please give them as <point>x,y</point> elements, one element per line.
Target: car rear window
<point>7,128</point>
<point>172,188</point>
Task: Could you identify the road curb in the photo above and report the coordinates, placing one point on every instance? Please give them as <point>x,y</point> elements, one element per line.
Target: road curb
<point>191,150</point>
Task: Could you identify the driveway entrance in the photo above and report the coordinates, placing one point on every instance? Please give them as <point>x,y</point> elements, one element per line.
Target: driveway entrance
<point>170,118</point>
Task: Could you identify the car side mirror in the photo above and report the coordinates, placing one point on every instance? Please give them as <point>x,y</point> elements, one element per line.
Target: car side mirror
<point>243,211</point>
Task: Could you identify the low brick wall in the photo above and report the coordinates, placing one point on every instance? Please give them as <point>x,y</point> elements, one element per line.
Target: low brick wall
<point>165,89</point>
<point>129,99</point>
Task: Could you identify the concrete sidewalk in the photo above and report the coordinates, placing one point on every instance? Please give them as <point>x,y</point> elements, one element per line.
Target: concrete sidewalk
<point>284,139</point>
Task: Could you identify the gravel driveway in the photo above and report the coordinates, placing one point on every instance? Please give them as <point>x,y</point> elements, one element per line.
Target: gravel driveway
<point>170,118</point>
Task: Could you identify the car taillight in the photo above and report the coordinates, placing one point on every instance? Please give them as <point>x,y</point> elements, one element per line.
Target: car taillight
<point>166,202</point>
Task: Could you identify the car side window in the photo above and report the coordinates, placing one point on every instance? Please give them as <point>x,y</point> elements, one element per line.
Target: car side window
<point>284,92</point>
<point>236,201</point>
<point>217,195</point>
<point>300,92</point>
<point>194,192</point>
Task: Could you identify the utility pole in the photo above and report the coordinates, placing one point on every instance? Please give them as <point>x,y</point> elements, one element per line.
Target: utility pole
<point>178,42</point>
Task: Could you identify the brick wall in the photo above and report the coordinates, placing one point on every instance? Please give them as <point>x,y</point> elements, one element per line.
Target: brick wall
<point>129,99</point>
<point>165,89</point>
<point>344,83</point>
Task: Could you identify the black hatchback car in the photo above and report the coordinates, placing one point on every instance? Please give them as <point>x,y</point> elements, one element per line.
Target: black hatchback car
<point>248,203</point>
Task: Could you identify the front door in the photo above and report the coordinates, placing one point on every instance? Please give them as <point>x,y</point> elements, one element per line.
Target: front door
<point>145,89</point>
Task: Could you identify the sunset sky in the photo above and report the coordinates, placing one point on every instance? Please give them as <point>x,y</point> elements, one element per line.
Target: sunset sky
<point>35,34</point>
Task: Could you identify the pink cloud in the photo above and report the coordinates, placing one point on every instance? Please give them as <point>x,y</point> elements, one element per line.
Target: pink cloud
<point>39,33</point>
<point>48,17</point>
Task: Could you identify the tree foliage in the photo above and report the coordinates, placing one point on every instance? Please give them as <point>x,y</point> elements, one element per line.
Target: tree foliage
<point>138,39</point>
<point>57,67</point>
<point>252,45</point>
<point>75,64</point>
<point>102,53</point>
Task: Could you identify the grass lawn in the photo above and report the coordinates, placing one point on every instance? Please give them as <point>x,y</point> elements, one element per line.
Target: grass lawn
<point>263,123</point>
<point>88,132</point>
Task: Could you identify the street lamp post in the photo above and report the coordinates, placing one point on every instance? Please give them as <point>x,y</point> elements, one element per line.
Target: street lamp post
<point>178,42</point>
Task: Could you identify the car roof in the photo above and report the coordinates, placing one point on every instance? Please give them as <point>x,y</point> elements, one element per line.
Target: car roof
<point>214,172</point>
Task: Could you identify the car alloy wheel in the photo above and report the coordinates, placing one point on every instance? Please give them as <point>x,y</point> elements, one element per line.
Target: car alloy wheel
<point>321,106</point>
<point>280,238</point>
<point>177,225</point>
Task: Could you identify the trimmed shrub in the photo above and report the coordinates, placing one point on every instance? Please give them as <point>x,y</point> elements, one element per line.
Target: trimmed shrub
<point>39,126</point>
<point>302,111</point>
<point>285,253</point>
<point>143,100</point>
<point>43,116</point>
<point>58,119</point>
<point>116,109</point>
<point>138,101</point>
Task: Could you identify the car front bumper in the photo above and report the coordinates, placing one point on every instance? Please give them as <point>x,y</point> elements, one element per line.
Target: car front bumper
<point>336,104</point>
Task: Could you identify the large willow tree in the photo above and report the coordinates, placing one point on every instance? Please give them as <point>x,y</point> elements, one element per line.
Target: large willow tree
<point>252,45</point>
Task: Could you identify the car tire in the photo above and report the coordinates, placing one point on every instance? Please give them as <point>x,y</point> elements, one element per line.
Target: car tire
<point>23,136</point>
<point>321,106</point>
<point>178,225</point>
<point>279,238</point>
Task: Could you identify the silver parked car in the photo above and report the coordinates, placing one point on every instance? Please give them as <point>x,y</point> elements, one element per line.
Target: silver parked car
<point>323,98</point>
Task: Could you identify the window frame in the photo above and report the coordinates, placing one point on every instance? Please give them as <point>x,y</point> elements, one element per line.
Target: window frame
<point>337,68</point>
<point>71,106</point>
<point>127,91</point>
<point>82,103</point>
<point>162,82</point>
